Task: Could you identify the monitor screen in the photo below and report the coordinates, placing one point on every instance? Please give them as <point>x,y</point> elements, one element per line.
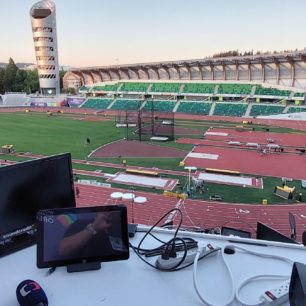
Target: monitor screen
<point>265,232</point>
<point>82,235</point>
<point>26,188</point>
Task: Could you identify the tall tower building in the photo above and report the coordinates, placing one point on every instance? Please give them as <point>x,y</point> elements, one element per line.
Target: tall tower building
<point>43,18</point>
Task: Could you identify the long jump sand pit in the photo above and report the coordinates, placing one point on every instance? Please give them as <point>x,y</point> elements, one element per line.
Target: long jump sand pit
<point>243,181</point>
<point>145,181</point>
<point>124,148</point>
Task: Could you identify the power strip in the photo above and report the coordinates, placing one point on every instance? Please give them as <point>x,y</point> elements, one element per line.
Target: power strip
<point>278,295</point>
<point>170,263</point>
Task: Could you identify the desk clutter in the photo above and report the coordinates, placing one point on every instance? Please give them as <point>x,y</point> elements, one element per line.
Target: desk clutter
<point>39,208</point>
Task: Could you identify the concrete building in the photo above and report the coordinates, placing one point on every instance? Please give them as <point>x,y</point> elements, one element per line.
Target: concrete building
<point>43,18</point>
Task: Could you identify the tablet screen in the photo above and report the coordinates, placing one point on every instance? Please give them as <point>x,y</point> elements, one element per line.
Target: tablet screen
<point>80,235</point>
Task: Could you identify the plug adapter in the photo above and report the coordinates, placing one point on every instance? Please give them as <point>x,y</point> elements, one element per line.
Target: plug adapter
<point>132,229</point>
<point>171,262</point>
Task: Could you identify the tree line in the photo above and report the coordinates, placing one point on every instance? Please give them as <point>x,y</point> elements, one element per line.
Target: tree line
<point>13,79</point>
<point>233,53</point>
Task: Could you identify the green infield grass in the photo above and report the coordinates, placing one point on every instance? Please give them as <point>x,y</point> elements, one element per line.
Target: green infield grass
<point>48,135</point>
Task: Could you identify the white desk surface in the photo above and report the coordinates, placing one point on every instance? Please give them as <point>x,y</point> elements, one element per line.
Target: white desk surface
<point>133,283</point>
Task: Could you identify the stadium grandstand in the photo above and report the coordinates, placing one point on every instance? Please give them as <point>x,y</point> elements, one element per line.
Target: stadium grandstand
<point>165,163</point>
<point>283,70</point>
<point>210,99</point>
<point>241,86</point>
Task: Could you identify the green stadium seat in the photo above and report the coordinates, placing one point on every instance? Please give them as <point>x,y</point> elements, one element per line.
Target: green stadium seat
<point>166,87</point>
<point>126,104</point>
<point>160,105</point>
<point>299,94</point>
<point>234,89</point>
<point>199,88</point>
<point>266,110</point>
<point>296,109</point>
<point>270,91</point>
<point>193,107</point>
<point>230,109</point>
<point>112,87</point>
<point>97,103</point>
<point>134,87</point>
<point>84,89</point>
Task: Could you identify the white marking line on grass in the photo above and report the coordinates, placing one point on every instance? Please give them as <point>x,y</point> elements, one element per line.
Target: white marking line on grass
<point>230,179</point>
<point>203,155</point>
<point>216,134</point>
<point>101,147</point>
<point>141,180</point>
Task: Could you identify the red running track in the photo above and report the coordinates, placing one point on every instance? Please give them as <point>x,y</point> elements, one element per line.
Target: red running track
<point>284,139</point>
<point>252,162</point>
<point>294,124</point>
<point>200,213</point>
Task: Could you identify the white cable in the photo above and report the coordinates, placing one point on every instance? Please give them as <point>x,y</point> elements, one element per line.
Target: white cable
<point>248,280</point>
<point>235,294</point>
<point>195,283</point>
<point>289,261</point>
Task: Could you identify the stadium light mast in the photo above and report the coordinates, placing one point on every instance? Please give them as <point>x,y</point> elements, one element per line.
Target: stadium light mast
<point>43,19</point>
<point>190,168</point>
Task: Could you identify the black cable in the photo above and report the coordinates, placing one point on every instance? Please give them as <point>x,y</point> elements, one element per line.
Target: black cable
<point>170,254</point>
<point>161,249</point>
<point>153,226</point>
<point>188,243</point>
<point>174,268</point>
<point>50,271</point>
<point>168,243</point>
<point>169,248</point>
<point>144,231</point>
<point>145,261</point>
<point>178,268</point>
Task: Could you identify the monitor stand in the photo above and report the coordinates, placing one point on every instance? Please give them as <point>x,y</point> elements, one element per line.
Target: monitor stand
<point>84,266</point>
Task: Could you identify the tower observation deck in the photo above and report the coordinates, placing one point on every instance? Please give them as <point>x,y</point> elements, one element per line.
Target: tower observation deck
<point>43,19</point>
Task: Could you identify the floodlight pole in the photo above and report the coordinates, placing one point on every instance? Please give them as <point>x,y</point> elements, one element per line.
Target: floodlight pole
<point>189,177</point>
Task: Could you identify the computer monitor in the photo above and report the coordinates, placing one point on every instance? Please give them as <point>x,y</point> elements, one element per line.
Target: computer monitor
<point>26,188</point>
<point>82,238</point>
<point>265,232</point>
